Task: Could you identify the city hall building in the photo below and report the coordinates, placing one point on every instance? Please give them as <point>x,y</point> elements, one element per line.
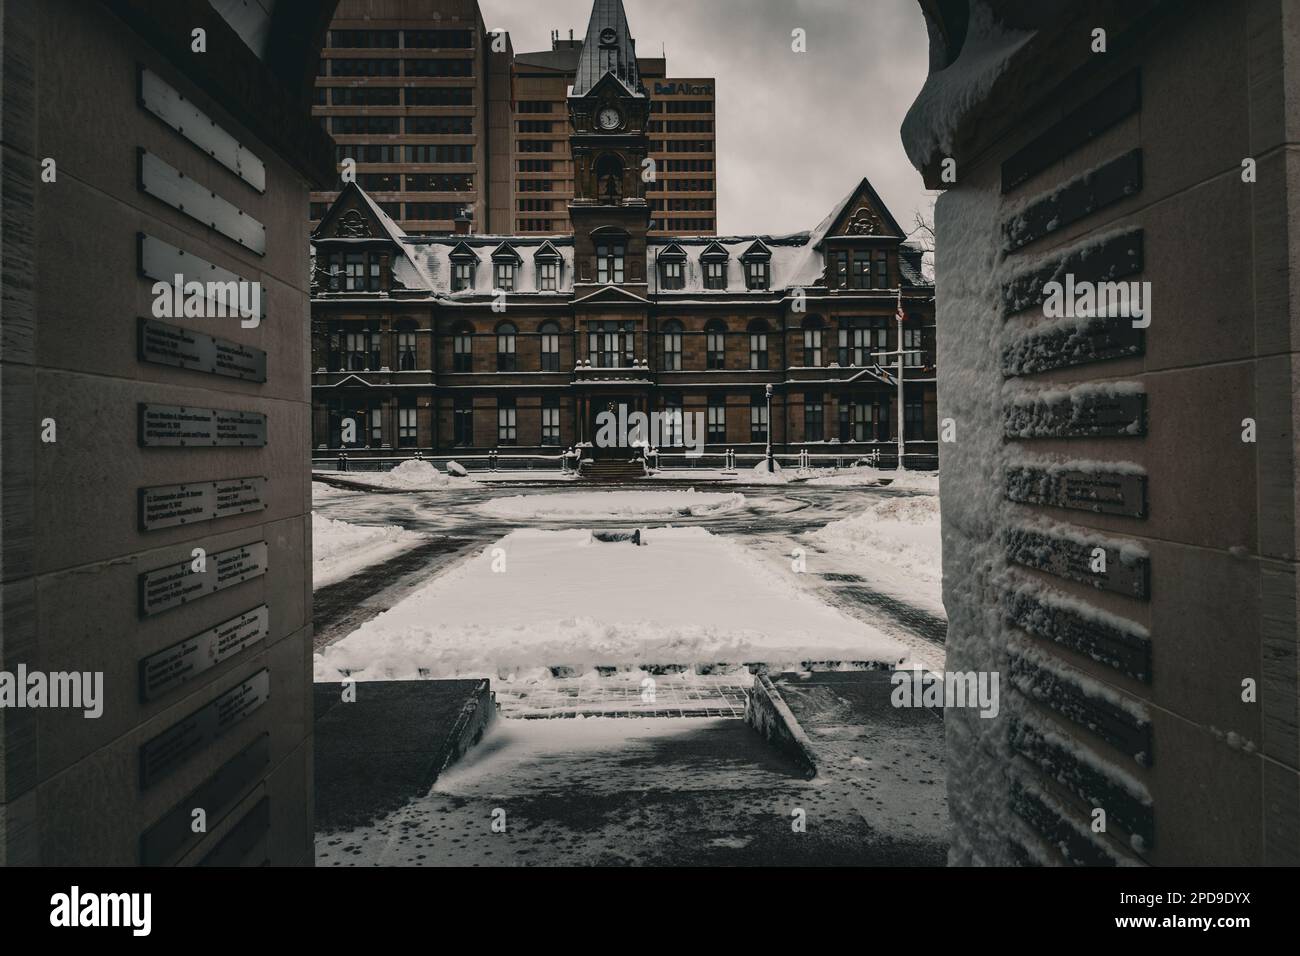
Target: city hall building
<point>464,344</point>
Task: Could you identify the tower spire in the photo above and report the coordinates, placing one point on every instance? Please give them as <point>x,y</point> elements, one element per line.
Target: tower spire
<point>609,48</point>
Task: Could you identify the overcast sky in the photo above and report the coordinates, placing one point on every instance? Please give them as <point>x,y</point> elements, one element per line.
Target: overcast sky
<point>795,131</point>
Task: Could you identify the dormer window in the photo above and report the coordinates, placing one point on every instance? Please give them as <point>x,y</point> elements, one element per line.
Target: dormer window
<point>548,276</point>
<point>714,262</point>
<point>462,276</point>
<point>758,266</point>
<point>672,268</point>
<point>715,275</point>
<point>463,262</point>
<point>882,270</point>
<point>671,275</point>
<point>505,267</point>
<point>505,276</point>
<point>546,260</point>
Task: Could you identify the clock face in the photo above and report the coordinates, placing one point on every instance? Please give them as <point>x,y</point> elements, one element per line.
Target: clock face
<point>608,118</point>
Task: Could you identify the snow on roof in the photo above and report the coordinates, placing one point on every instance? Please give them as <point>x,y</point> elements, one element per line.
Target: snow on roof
<point>432,256</point>
<point>796,258</point>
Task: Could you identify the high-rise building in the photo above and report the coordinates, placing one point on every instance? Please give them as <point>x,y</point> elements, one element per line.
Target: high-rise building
<point>405,87</point>
<point>441,117</point>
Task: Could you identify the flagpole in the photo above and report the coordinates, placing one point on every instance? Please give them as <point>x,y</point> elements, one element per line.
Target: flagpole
<point>902,444</point>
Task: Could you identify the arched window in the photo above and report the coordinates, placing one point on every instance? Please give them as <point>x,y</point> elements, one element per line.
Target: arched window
<point>550,332</point>
<point>462,347</point>
<point>672,335</point>
<point>758,344</point>
<point>609,178</point>
<point>506,354</point>
<point>716,346</point>
<point>812,342</point>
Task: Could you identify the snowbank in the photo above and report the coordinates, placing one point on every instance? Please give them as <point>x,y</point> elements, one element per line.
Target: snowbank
<point>900,532</point>
<point>904,480</point>
<point>412,475</point>
<point>340,549</point>
<point>538,599</point>
<point>615,505</point>
<point>761,476</point>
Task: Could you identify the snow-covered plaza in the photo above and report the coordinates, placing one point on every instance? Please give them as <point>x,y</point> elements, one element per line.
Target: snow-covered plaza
<point>666,601</point>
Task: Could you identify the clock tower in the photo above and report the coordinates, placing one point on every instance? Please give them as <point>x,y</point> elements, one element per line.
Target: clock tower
<point>608,112</point>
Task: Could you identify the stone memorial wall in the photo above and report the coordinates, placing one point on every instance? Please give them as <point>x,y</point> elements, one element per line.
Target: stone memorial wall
<point>155,431</point>
<point>1113,279</point>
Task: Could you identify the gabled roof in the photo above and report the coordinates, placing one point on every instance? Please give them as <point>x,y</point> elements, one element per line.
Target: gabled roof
<point>547,250</point>
<point>463,251</point>
<point>758,250</point>
<point>375,223</point>
<point>860,210</point>
<point>608,49</point>
<point>354,211</point>
<point>505,251</point>
<point>672,251</point>
<point>715,251</point>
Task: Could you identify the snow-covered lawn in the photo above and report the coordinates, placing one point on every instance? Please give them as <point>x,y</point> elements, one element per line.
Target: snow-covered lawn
<point>537,599</point>
<point>615,505</point>
<point>340,549</point>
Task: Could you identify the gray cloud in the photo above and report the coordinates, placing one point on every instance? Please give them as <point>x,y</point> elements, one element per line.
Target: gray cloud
<point>795,131</point>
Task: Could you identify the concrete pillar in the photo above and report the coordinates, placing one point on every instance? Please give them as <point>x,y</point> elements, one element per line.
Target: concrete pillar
<point>1124,557</point>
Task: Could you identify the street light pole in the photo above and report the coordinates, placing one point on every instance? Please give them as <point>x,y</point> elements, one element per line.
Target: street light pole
<point>770,469</point>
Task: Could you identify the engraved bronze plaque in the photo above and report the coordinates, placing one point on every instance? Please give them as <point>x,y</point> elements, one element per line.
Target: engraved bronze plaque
<point>163,344</point>
<point>1122,415</point>
<point>1068,344</point>
<point>178,743</point>
<point>173,666</point>
<point>171,186</point>
<point>1101,492</point>
<point>1112,641</point>
<point>167,506</point>
<point>1075,200</point>
<point>1073,560</point>
<point>171,836</point>
<point>175,584</point>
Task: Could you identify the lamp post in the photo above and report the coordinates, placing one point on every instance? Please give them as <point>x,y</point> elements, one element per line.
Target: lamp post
<point>770,469</point>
